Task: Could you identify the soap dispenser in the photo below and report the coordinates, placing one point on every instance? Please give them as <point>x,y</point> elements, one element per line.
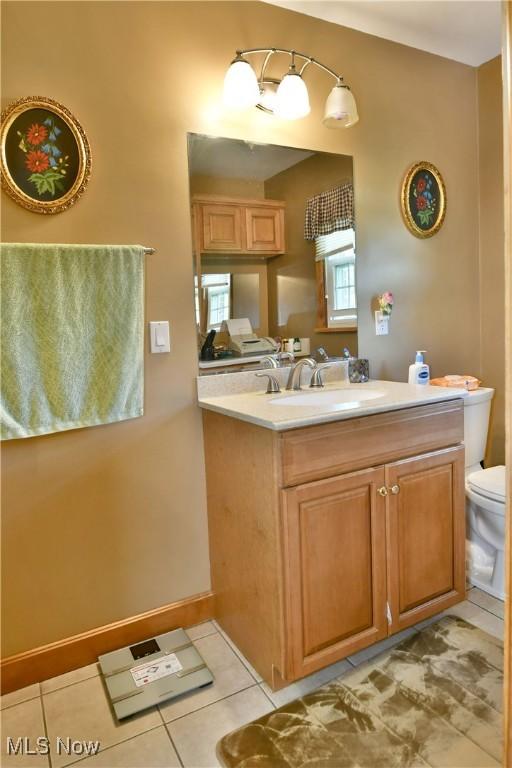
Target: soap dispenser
<point>419,372</point>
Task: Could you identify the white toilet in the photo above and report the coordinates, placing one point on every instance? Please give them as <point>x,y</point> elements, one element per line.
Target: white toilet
<point>485,500</point>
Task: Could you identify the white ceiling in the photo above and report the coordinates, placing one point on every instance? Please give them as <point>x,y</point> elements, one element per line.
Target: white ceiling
<point>211,156</point>
<point>465,30</point>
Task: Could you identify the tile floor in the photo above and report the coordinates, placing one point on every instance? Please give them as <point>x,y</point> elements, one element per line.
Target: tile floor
<point>182,732</point>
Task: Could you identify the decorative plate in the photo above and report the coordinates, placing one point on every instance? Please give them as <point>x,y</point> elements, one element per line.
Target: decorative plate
<point>423,199</point>
<point>45,155</point>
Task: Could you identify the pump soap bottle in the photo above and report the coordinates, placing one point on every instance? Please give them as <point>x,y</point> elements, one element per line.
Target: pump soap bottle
<point>419,372</point>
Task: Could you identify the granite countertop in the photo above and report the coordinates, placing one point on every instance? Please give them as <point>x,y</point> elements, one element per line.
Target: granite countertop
<point>375,397</point>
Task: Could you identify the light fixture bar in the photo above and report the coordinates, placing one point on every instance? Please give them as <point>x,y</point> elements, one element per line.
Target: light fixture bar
<point>265,62</point>
<point>308,59</point>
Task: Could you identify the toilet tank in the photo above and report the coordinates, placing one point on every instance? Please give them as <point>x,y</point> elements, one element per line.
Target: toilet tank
<point>477,407</point>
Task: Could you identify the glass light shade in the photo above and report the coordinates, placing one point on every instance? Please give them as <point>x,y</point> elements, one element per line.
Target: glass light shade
<point>340,108</point>
<point>241,89</point>
<point>292,99</point>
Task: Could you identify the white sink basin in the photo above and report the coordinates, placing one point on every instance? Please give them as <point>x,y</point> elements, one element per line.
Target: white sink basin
<point>339,399</point>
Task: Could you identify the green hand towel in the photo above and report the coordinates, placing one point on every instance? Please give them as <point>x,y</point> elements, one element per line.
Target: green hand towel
<point>72,336</point>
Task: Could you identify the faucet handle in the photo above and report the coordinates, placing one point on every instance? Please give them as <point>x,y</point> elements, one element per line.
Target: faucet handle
<point>272,384</point>
<point>321,353</point>
<point>316,376</point>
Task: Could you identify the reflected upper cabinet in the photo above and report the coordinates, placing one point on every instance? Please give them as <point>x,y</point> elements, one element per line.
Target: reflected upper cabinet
<point>241,226</point>
<point>221,227</point>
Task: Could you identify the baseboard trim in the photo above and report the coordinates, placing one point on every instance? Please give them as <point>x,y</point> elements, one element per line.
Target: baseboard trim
<point>73,652</point>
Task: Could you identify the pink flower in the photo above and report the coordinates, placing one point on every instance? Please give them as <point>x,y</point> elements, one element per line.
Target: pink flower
<point>387,298</point>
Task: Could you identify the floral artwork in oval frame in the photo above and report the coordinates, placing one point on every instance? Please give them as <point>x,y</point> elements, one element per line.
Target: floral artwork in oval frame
<point>423,199</point>
<point>45,160</point>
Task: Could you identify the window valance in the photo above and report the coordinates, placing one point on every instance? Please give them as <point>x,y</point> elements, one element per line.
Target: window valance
<point>329,212</point>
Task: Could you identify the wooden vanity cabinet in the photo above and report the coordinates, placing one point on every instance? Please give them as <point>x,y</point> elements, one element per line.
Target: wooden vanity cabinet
<point>326,539</point>
<point>334,569</point>
<point>425,535</point>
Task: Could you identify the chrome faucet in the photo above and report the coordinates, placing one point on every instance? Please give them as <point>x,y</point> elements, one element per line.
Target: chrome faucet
<point>272,362</point>
<point>295,372</point>
<point>281,355</point>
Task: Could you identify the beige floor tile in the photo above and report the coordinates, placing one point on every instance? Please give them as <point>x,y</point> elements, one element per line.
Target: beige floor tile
<point>240,655</point>
<point>480,618</point>
<point>149,750</point>
<point>82,712</point>
<point>472,613</point>
<point>307,684</point>
<point>374,650</point>
<point>201,630</point>
<point>195,736</point>
<point>484,600</point>
<point>17,697</point>
<point>69,678</point>
<point>26,721</point>
<point>229,674</point>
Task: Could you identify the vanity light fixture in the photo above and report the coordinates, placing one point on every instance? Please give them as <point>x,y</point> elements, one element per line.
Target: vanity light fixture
<point>288,97</point>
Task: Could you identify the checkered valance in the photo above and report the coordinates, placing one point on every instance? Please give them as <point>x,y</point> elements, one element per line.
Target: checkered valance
<point>329,212</point>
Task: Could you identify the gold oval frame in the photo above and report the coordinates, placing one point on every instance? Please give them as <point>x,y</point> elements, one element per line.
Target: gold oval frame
<point>9,114</point>
<point>404,200</point>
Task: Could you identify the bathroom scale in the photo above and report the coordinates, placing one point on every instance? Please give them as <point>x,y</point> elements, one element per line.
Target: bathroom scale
<point>152,672</point>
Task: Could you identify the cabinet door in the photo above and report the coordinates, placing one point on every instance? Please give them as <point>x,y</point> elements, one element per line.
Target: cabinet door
<point>426,535</point>
<point>222,227</point>
<point>264,229</point>
<point>334,569</point>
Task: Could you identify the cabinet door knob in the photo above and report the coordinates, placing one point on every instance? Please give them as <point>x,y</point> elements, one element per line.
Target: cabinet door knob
<point>382,491</point>
<point>395,489</point>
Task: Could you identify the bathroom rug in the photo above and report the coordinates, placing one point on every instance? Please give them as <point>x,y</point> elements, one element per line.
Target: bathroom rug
<point>432,701</point>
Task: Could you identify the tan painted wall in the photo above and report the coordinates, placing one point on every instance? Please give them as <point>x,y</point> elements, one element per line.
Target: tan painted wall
<point>220,185</point>
<point>99,524</point>
<point>292,277</point>
<point>492,267</point>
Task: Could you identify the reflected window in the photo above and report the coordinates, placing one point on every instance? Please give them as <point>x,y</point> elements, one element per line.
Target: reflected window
<point>216,299</point>
<point>337,251</point>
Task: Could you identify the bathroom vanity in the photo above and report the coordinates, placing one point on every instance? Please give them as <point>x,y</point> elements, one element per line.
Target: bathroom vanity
<point>332,527</point>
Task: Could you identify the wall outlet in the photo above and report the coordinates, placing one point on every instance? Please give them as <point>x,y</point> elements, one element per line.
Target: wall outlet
<point>381,324</point>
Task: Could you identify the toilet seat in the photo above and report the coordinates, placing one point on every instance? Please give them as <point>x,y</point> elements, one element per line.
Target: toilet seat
<point>489,484</point>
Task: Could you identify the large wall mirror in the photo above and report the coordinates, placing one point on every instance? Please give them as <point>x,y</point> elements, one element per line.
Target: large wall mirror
<point>274,250</point>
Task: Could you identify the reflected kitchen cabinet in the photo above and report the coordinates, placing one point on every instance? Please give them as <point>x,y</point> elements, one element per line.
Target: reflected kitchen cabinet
<point>221,227</point>
<point>264,229</point>
<point>238,225</point>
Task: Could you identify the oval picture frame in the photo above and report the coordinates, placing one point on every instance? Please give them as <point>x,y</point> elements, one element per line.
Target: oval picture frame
<point>45,157</point>
<point>423,199</point>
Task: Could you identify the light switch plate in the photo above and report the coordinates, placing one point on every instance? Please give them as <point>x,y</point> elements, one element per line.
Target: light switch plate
<point>159,336</point>
<point>381,324</point>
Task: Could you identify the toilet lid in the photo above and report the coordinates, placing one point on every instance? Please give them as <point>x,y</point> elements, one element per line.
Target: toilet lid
<point>489,483</point>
